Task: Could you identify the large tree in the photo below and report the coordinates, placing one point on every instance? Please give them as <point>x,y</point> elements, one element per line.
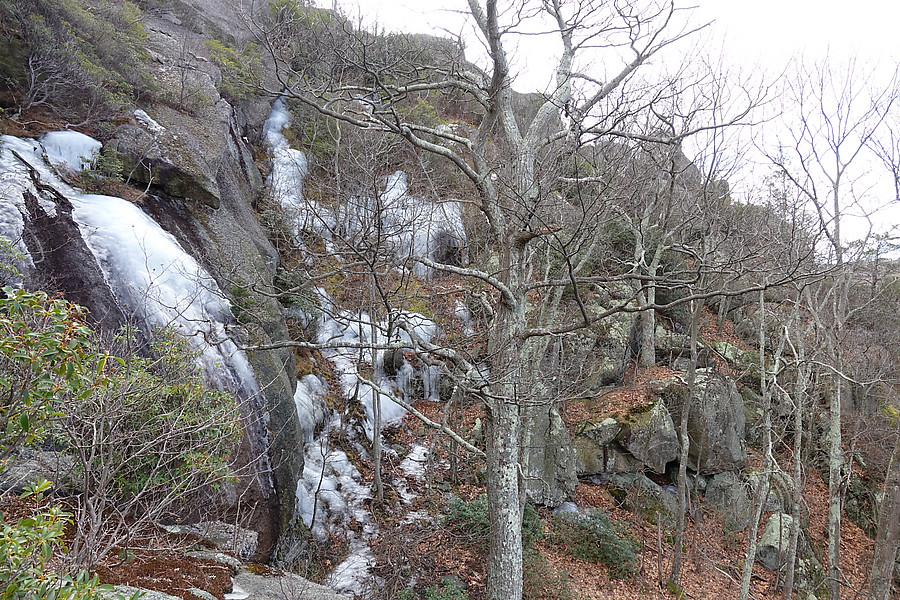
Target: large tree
<point>543,205</point>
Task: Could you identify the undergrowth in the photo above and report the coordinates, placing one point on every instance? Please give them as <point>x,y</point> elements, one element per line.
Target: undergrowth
<point>472,519</point>
<point>600,540</point>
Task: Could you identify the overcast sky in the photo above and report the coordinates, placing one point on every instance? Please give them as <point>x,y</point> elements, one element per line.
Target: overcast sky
<point>767,30</point>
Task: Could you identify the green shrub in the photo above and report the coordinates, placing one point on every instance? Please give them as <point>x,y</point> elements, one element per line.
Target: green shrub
<point>146,433</point>
<point>45,356</point>
<point>25,549</point>
<point>241,69</point>
<point>600,540</point>
<point>106,166</point>
<point>543,581</point>
<point>472,518</point>
<point>448,589</point>
<point>84,60</point>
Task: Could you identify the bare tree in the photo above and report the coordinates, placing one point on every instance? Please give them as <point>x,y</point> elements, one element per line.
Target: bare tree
<point>840,113</point>
<point>514,164</point>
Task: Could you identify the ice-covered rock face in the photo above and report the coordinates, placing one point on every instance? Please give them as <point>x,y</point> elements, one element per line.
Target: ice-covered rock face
<point>152,278</point>
<point>71,150</point>
<point>15,181</point>
<point>155,280</point>
<point>289,168</point>
<point>414,227</point>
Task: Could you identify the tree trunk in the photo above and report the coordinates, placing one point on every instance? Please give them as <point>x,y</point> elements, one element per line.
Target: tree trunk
<point>888,537</point>
<point>800,391</point>
<point>504,572</point>
<point>648,331</point>
<point>696,314</point>
<point>835,491</point>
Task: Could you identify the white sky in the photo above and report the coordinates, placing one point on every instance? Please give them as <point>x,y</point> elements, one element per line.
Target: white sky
<point>753,29</point>
<point>758,36</point>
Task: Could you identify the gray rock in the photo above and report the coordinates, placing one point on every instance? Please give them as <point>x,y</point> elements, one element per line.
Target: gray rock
<point>637,493</point>
<point>592,458</point>
<point>781,490</point>
<point>565,507</point>
<point>201,594</point>
<point>229,561</point>
<point>29,466</point>
<point>773,544</point>
<point>651,438</point>
<point>729,494</point>
<point>716,423</point>
<point>126,591</point>
<point>224,536</point>
<point>548,458</point>
<point>603,433</point>
<point>283,587</point>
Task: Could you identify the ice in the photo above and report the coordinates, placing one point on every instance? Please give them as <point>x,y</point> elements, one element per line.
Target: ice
<point>14,182</point>
<point>289,169</point>
<point>309,398</point>
<point>415,227</point>
<point>237,593</point>
<point>464,315</point>
<point>338,327</point>
<point>353,577</point>
<point>151,276</point>
<point>154,280</point>
<point>75,151</point>
<point>414,463</point>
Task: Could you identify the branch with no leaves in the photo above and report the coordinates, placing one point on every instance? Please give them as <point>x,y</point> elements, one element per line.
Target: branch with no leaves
<point>411,409</point>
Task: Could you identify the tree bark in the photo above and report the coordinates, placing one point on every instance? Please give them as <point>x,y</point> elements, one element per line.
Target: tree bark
<point>887,539</point>
<point>696,315</point>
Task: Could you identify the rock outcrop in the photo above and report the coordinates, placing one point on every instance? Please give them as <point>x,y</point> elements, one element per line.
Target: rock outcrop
<point>191,157</point>
<point>715,421</point>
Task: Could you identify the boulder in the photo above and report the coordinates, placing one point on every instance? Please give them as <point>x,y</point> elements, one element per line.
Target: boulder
<point>729,494</point>
<point>781,490</point>
<point>548,458</point>
<point>592,458</point>
<point>28,466</point>
<point>651,438</point>
<point>716,421</point>
<point>127,592</point>
<point>737,358</point>
<point>773,544</point>
<point>224,536</point>
<point>602,433</point>
<point>259,587</point>
<point>639,494</point>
